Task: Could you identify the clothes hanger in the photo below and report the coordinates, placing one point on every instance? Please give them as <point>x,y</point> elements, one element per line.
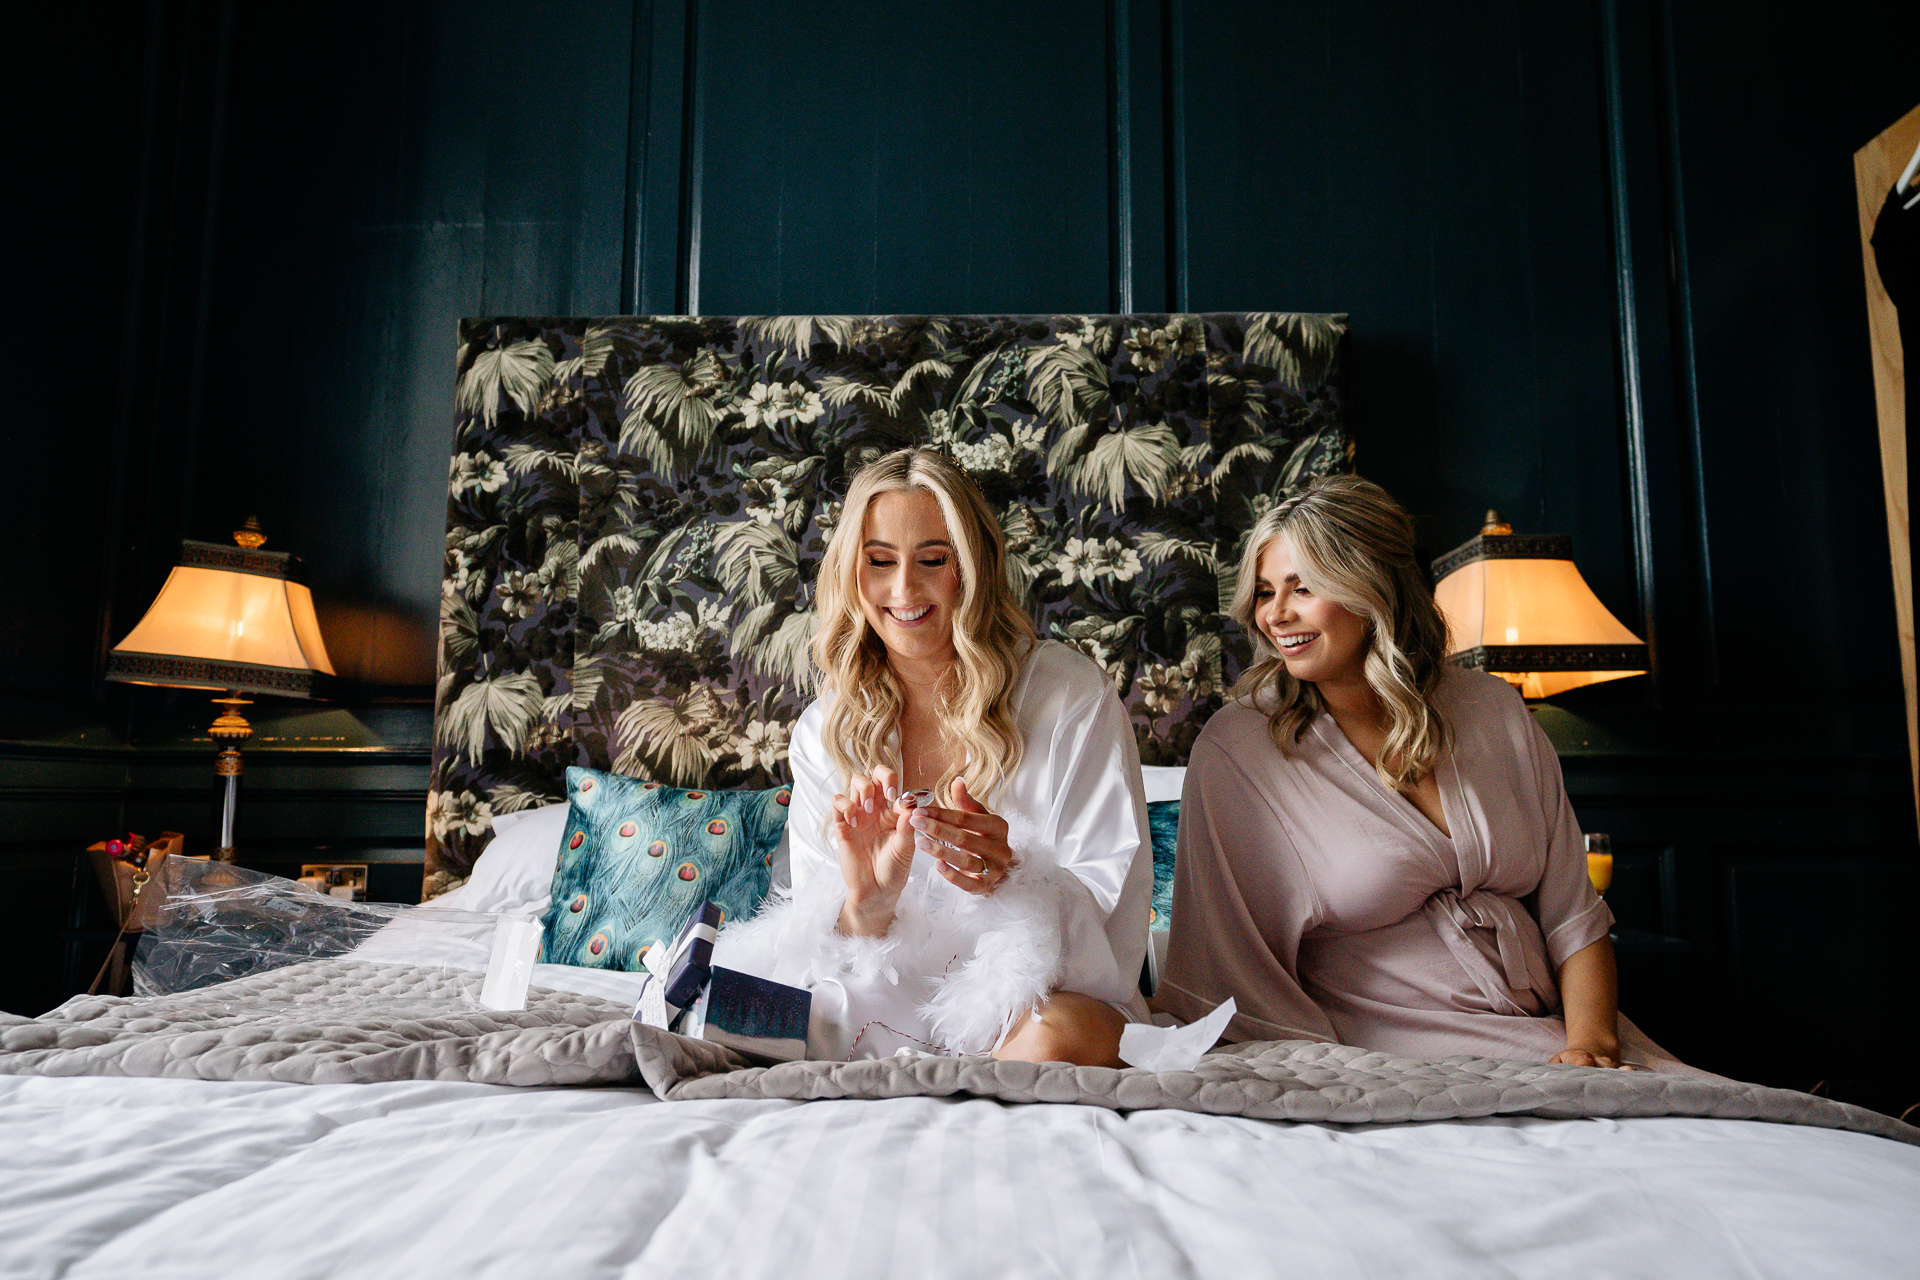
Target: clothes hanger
<point>1906,178</point>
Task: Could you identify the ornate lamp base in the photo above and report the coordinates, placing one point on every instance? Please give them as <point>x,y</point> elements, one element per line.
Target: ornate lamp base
<point>229,729</point>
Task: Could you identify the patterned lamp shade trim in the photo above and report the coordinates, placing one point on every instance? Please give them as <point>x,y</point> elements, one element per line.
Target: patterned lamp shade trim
<point>200,673</point>
<point>266,564</point>
<point>233,618</point>
<point>1508,546</point>
<point>1552,657</point>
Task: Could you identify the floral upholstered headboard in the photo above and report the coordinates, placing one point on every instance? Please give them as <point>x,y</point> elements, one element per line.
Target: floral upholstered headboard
<point>637,505</point>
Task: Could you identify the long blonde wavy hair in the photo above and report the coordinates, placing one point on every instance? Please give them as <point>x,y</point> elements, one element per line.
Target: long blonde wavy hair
<point>992,635</point>
<point>1353,545</point>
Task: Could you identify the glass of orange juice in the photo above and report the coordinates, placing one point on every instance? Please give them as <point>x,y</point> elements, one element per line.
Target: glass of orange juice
<point>1600,860</point>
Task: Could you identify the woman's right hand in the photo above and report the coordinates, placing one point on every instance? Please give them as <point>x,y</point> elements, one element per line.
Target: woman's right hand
<point>869,831</point>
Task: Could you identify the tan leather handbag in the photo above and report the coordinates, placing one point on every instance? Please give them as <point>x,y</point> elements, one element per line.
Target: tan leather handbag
<point>134,892</point>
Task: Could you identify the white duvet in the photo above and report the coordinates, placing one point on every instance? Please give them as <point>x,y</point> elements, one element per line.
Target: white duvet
<point>161,1178</point>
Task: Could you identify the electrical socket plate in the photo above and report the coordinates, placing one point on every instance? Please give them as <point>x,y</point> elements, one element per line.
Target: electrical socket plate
<point>333,877</point>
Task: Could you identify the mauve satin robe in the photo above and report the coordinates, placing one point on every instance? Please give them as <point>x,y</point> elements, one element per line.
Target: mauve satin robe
<point>1331,908</point>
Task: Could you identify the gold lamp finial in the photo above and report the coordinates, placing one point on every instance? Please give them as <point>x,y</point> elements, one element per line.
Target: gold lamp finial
<point>1494,526</point>
<point>250,535</point>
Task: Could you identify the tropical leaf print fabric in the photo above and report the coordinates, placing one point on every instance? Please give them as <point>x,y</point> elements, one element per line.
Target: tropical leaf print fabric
<point>637,506</point>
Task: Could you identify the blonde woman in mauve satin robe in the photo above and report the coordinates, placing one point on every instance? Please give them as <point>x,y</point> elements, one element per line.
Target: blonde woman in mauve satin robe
<point>1376,848</point>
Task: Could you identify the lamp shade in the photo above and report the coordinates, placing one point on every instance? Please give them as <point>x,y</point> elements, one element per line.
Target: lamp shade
<point>1517,606</point>
<point>229,618</point>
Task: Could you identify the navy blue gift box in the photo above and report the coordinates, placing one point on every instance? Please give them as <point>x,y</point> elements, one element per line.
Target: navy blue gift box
<point>691,955</point>
<point>755,1017</point>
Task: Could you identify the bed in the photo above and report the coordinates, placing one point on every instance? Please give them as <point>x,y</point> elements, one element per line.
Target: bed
<point>194,1178</point>
<point>633,504</point>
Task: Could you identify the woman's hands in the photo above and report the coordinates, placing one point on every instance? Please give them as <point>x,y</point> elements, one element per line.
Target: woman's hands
<point>870,833</point>
<point>967,843</point>
<point>876,834</point>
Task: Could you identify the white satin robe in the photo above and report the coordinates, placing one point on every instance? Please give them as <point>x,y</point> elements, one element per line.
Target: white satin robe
<point>956,969</point>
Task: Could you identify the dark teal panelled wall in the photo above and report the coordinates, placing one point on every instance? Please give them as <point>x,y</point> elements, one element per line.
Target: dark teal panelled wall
<point>1600,258</point>
<point>1467,182</point>
<point>1574,295</point>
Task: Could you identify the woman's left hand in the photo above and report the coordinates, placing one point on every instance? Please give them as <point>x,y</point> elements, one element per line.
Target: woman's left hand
<point>967,843</point>
<point>1590,1003</point>
<point>1592,1055</point>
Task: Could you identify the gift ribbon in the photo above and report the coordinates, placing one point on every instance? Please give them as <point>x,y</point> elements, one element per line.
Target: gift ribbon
<point>662,968</point>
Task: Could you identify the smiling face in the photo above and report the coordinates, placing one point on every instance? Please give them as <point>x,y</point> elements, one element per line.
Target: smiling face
<point>909,578</point>
<point>1320,641</point>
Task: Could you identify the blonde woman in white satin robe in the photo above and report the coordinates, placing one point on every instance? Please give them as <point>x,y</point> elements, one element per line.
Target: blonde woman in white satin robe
<point>968,824</point>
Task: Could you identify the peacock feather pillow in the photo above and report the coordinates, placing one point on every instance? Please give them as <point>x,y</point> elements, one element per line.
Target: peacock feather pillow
<point>1163,822</point>
<point>638,856</point>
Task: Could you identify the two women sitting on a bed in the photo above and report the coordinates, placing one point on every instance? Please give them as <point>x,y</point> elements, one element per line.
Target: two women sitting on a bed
<point>1357,832</point>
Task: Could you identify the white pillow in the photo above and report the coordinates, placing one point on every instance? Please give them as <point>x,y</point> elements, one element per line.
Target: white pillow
<point>514,875</point>
<point>505,822</point>
<point>1162,783</point>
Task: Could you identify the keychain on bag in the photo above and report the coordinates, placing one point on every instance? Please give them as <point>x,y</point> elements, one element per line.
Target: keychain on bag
<point>139,853</point>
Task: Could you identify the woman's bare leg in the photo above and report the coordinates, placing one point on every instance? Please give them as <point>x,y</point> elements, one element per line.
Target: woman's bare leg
<point>1069,1027</point>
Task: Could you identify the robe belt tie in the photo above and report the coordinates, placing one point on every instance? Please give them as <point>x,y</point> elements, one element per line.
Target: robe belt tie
<point>1522,969</point>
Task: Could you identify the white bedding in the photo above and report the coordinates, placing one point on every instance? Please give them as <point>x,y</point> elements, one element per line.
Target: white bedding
<point>182,1178</point>
<point>163,1178</point>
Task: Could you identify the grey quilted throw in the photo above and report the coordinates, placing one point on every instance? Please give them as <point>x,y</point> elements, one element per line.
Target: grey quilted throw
<point>344,1021</point>
<point>1269,1080</point>
<point>332,1021</point>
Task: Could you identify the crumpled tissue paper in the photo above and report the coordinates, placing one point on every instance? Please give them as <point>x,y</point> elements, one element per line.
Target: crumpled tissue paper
<point>1174,1048</point>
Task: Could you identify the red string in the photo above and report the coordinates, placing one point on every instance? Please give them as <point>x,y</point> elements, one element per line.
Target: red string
<point>903,1035</point>
<point>941,1049</point>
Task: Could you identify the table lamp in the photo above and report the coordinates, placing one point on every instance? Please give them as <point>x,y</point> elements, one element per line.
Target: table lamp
<point>1516,606</point>
<point>236,620</point>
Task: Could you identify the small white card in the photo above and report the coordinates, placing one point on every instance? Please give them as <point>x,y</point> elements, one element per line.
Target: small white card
<point>1174,1048</point>
<point>652,1009</point>
<point>510,970</point>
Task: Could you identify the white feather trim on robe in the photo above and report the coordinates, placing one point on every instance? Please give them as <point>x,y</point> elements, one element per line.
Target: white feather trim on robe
<point>989,959</point>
